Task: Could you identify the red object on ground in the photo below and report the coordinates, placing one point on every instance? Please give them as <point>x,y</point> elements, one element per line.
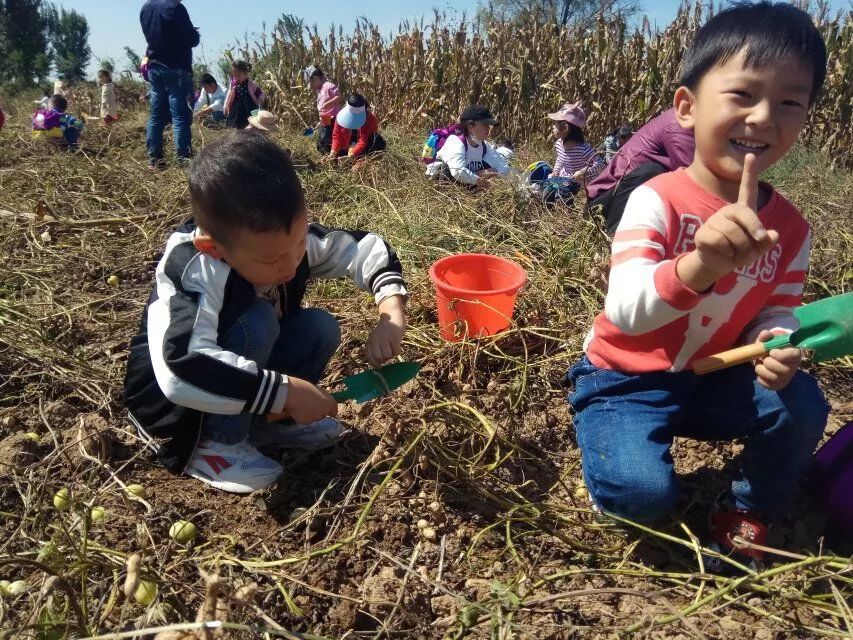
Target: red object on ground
<point>475,294</point>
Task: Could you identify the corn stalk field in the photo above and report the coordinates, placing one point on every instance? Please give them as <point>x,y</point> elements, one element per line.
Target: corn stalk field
<point>425,74</point>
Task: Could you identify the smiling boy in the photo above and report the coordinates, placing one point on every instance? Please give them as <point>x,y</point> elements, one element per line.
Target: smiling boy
<point>706,258</point>
<point>225,350</point>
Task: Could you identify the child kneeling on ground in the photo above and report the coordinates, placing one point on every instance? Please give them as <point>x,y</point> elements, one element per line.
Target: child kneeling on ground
<point>57,126</point>
<point>706,258</point>
<point>465,156</point>
<point>225,350</point>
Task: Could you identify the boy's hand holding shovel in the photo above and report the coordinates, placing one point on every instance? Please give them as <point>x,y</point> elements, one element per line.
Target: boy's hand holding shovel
<point>305,403</point>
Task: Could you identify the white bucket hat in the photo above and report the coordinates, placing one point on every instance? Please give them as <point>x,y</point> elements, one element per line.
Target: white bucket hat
<point>354,114</point>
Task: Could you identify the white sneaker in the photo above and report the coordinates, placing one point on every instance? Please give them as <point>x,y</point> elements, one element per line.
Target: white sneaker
<point>307,437</point>
<point>238,468</point>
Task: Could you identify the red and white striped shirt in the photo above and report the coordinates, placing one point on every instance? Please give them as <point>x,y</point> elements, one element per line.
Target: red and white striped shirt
<point>652,321</point>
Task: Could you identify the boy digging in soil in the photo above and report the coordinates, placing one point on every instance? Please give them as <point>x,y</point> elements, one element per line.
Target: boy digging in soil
<point>224,343</point>
<point>706,258</point>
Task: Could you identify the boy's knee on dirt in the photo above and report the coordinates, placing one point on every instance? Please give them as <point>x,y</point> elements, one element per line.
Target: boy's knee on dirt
<point>642,493</point>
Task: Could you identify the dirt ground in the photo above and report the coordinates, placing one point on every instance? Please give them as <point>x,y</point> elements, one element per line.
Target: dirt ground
<point>452,509</point>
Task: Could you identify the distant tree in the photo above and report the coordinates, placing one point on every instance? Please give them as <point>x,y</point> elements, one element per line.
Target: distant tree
<point>225,67</point>
<point>23,43</point>
<point>134,60</point>
<point>562,12</point>
<point>107,64</point>
<point>68,32</point>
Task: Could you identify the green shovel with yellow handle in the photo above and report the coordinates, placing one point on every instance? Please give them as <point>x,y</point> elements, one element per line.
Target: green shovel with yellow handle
<point>826,329</point>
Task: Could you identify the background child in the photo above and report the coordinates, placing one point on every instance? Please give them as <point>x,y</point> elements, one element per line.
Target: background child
<point>615,139</point>
<point>706,258</point>
<point>44,102</point>
<point>109,105</point>
<point>244,96</point>
<point>356,131</point>
<point>329,103</point>
<point>466,156</point>
<point>505,148</point>
<point>263,121</point>
<point>55,124</point>
<point>659,146</point>
<point>225,343</point>
<point>576,158</point>
<point>210,106</point>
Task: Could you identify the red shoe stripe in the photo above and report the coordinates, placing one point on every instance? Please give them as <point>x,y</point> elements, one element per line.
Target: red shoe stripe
<point>217,463</point>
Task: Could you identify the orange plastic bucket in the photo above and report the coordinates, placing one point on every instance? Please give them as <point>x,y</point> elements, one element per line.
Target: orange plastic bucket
<point>475,293</point>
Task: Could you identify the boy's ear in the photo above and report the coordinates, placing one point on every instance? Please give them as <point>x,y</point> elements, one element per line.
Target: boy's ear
<point>207,245</point>
<point>683,102</point>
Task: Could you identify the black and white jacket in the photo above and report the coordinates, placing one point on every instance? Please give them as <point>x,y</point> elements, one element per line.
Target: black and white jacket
<point>176,371</point>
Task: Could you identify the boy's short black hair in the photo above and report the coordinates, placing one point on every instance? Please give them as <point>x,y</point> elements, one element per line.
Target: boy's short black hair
<point>768,31</point>
<point>206,78</point>
<point>244,181</point>
<point>241,65</point>
<point>58,102</point>
<point>104,72</point>
<point>505,142</point>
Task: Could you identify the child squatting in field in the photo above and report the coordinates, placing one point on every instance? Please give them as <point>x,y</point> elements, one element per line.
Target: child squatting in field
<point>706,258</point>
<point>465,155</point>
<point>225,350</point>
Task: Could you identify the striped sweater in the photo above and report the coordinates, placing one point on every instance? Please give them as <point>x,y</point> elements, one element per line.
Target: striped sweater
<point>570,161</point>
<point>652,321</point>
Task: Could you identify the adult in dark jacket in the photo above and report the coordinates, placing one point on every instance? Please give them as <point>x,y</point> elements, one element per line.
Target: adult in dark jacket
<point>171,37</point>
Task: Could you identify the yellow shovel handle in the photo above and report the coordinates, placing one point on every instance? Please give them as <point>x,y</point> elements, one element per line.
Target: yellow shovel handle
<point>730,358</point>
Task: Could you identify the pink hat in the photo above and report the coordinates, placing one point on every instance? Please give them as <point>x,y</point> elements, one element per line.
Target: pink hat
<point>571,113</point>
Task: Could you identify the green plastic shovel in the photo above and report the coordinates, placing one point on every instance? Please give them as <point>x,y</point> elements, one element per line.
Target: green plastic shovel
<point>368,385</point>
<point>826,328</point>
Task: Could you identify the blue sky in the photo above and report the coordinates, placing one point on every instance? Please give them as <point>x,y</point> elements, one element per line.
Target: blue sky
<point>115,23</point>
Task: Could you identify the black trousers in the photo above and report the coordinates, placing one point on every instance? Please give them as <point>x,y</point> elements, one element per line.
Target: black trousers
<point>612,202</point>
<point>324,141</point>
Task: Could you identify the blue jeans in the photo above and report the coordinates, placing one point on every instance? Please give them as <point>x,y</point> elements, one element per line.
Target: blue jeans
<point>299,345</point>
<point>169,94</point>
<point>625,426</point>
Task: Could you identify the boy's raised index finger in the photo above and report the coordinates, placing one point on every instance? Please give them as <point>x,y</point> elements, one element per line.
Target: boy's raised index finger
<point>748,193</point>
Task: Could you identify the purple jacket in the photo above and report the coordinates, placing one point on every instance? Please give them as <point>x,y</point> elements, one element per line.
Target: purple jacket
<point>660,140</point>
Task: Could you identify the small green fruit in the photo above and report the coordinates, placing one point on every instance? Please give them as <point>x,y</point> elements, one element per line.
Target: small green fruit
<point>183,531</point>
<point>136,489</point>
<point>145,592</point>
<point>98,514</point>
<point>112,281</point>
<point>17,587</point>
<point>61,499</point>
<point>32,435</point>
<point>581,493</point>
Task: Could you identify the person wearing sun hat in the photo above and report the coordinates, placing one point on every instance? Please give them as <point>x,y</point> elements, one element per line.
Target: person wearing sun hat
<point>356,130</point>
<point>465,156</point>
<point>576,158</point>
<point>264,121</point>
